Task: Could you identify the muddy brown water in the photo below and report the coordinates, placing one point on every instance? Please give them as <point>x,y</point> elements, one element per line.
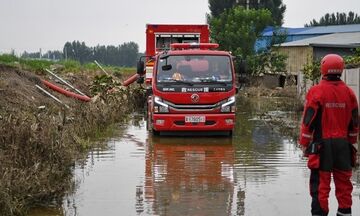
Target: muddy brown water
<point>259,171</point>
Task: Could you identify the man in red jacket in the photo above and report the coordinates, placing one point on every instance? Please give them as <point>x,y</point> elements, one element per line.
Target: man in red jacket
<point>328,133</point>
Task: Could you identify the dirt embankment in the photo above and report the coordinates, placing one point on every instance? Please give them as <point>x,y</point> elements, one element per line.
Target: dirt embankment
<point>40,139</point>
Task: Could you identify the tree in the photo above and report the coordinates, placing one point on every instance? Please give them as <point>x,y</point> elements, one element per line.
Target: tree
<point>219,6</point>
<point>122,55</point>
<point>336,19</point>
<point>276,7</point>
<point>236,29</point>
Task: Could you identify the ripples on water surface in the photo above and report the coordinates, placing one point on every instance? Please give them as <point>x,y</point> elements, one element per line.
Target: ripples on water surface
<point>259,171</point>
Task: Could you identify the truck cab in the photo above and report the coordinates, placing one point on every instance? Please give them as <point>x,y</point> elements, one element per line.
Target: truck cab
<point>192,89</point>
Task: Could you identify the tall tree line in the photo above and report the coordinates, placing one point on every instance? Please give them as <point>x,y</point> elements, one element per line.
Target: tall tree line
<point>336,19</point>
<point>125,54</point>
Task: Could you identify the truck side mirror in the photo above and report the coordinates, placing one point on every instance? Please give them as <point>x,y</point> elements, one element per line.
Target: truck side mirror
<point>140,67</point>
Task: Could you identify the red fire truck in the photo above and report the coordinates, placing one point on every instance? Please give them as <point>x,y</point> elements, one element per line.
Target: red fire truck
<point>191,85</point>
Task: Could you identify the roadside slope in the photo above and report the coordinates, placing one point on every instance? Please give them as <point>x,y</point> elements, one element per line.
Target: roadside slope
<point>40,139</point>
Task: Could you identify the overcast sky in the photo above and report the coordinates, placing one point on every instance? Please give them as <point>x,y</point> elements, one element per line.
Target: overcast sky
<point>48,24</point>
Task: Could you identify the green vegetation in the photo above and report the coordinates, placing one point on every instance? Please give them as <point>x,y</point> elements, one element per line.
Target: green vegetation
<point>312,72</point>
<point>38,66</point>
<point>353,61</point>
<point>276,7</point>
<point>235,26</point>
<point>267,62</point>
<point>124,55</point>
<point>236,29</point>
<point>102,83</point>
<point>336,19</point>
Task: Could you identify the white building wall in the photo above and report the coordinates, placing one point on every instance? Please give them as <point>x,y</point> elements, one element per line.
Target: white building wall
<point>352,78</point>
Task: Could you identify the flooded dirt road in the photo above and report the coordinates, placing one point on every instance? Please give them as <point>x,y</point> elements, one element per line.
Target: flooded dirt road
<point>259,171</point>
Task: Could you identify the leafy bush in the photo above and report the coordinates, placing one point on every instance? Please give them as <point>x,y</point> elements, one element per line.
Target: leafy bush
<point>311,70</point>
<point>353,61</point>
<point>102,83</point>
<point>267,62</point>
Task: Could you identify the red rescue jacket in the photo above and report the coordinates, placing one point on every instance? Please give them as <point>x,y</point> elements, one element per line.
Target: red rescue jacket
<point>331,111</point>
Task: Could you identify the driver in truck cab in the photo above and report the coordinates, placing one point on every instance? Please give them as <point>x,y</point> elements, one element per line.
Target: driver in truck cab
<point>181,72</point>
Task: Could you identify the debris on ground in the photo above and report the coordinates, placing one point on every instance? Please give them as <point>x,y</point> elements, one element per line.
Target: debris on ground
<point>40,139</point>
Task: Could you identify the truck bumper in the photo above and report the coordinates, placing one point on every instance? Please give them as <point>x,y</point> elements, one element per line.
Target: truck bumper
<point>176,122</point>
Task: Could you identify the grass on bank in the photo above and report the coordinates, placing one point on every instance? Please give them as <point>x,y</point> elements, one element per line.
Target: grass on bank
<point>67,66</point>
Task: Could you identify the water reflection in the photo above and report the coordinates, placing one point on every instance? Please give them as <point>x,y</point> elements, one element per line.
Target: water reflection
<point>192,176</point>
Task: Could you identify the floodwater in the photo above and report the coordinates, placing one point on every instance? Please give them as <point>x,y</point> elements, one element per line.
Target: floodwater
<point>259,171</point>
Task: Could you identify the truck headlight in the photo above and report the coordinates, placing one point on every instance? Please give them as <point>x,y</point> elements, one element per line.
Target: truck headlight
<point>160,106</point>
<point>229,105</point>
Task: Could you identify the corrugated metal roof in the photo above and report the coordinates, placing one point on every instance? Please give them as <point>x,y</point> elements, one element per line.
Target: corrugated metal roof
<point>268,32</point>
<point>315,30</point>
<point>332,29</point>
<point>330,39</point>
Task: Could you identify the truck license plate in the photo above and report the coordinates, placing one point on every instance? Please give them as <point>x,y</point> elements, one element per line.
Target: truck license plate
<point>194,119</point>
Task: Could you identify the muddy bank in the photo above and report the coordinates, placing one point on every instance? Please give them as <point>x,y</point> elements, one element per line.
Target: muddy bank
<point>40,139</point>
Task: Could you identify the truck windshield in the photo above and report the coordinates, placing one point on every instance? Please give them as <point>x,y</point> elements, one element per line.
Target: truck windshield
<point>195,69</point>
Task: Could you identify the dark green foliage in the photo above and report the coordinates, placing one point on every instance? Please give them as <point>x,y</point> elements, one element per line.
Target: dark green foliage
<point>53,55</point>
<point>276,7</point>
<point>122,55</point>
<point>236,29</point>
<point>102,83</point>
<point>219,6</point>
<point>336,19</point>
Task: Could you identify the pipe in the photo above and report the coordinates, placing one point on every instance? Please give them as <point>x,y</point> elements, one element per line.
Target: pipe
<point>66,83</point>
<point>52,96</point>
<point>130,80</point>
<point>65,92</point>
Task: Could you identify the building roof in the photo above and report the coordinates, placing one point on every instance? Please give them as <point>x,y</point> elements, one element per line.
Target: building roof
<point>332,29</point>
<point>268,32</point>
<point>351,39</point>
